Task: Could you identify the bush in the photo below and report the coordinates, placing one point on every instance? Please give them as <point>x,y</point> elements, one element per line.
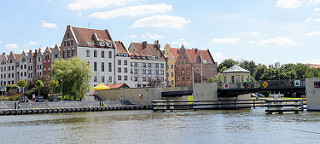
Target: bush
<point>12,89</point>
<point>15,97</point>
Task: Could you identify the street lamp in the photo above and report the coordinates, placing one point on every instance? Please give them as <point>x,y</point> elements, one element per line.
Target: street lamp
<point>61,87</point>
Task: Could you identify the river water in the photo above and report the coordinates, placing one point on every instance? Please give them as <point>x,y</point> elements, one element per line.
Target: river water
<point>218,126</point>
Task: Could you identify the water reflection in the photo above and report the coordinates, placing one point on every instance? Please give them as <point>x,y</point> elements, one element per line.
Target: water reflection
<point>241,126</point>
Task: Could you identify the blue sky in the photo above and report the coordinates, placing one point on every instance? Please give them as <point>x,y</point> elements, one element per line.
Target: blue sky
<point>266,31</point>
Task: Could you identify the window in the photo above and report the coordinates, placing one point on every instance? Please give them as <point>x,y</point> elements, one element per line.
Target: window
<point>144,71</point>
<point>144,79</point>
<point>119,77</point>
<point>149,71</point>
<point>171,74</point>
<point>182,62</point>
<point>149,65</point>
<point>110,78</point>
<point>95,79</point>
<point>102,79</point>
<point>182,73</point>
<point>102,54</point>
<point>135,78</point>
<point>157,65</point>
<point>232,79</point>
<point>65,43</point>
<point>72,52</point>
<point>102,66</point>
<point>110,54</point>
<point>144,64</point>
<point>119,62</point>
<point>225,79</point>
<point>135,64</point>
<point>125,78</point>
<point>110,67</point>
<point>95,53</point>
<point>125,62</point>
<point>68,53</point>
<point>64,53</point>
<point>68,42</point>
<point>171,66</point>
<point>125,70</point>
<point>119,70</point>
<point>162,65</point>
<point>178,62</point>
<point>135,71</point>
<point>95,66</point>
<point>71,42</point>
<point>21,66</point>
<point>88,53</point>
<point>157,71</point>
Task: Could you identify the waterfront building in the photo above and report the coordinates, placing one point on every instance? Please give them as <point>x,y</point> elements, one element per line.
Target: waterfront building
<point>171,55</point>
<point>193,66</point>
<point>30,65</point>
<point>47,59</point>
<point>23,69</point>
<point>235,76</point>
<point>38,62</point>
<point>55,54</point>
<point>3,71</point>
<point>122,64</point>
<point>148,64</point>
<point>96,47</point>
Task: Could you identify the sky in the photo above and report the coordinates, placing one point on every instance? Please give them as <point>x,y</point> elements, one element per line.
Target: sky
<point>265,31</point>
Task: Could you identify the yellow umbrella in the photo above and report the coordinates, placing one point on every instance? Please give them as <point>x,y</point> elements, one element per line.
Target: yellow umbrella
<point>100,87</point>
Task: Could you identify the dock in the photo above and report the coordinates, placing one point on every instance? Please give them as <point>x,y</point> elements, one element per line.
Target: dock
<point>70,110</point>
<point>279,106</point>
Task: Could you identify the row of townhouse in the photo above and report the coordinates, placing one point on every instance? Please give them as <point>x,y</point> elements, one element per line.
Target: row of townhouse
<point>139,65</point>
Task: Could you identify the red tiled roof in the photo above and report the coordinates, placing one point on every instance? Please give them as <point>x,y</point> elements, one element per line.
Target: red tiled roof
<point>175,52</point>
<point>195,54</point>
<point>17,57</point>
<point>313,65</point>
<point>120,47</point>
<point>118,85</point>
<point>151,50</point>
<point>84,35</point>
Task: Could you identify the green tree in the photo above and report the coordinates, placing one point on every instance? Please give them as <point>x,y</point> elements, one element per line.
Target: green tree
<point>53,85</point>
<point>248,65</point>
<point>12,89</point>
<point>44,91</point>
<point>260,71</point>
<point>216,79</point>
<point>39,85</point>
<point>312,72</point>
<point>22,83</point>
<point>226,63</point>
<point>74,75</point>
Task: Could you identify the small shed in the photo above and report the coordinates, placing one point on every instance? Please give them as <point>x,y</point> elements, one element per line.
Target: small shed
<point>235,76</point>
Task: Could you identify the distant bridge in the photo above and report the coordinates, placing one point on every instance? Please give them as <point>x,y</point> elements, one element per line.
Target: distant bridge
<point>273,86</point>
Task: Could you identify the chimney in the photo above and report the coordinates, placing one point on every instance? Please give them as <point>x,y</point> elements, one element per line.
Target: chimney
<point>156,42</point>
<point>196,49</point>
<point>144,44</point>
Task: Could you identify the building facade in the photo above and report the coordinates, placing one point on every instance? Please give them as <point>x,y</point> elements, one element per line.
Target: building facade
<point>171,55</point>
<point>148,64</point>
<point>235,76</point>
<point>122,64</point>
<point>96,47</point>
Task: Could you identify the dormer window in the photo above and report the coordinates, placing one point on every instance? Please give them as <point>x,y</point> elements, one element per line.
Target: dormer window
<point>109,44</point>
<point>120,54</point>
<point>124,54</point>
<point>194,60</point>
<point>101,44</point>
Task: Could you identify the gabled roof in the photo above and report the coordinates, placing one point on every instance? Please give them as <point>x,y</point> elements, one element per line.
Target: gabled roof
<point>175,52</point>
<point>121,48</point>
<point>196,54</point>
<point>236,69</point>
<point>116,86</point>
<point>150,50</point>
<point>85,35</point>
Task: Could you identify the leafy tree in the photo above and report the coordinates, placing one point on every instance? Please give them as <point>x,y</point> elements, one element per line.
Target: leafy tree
<point>22,83</point>
<point>74,75</point>
<point>53,85</point>
<point>248,65</point>
<point>226,63</point>
<point>312,72</point>
<point>44,91</point>
<point>39,85</point>
<point>216,79</point>
<point>260,71</point>
<point>12,89</point>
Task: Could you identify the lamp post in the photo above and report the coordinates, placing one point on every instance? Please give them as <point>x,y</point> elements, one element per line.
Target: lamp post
<point>61,87</point>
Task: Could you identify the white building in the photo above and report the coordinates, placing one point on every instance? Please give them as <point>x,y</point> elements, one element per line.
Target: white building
<point>22,68</point>
<point>148,64</point>
<point>3,69</point>
<point>12,66</point>
<point>122,64</point>
<point>38,55</point>
<point>30,65</point>
<point>96,47</point>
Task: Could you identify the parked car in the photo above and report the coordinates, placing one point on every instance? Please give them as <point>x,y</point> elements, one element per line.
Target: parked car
<point>257,95</point>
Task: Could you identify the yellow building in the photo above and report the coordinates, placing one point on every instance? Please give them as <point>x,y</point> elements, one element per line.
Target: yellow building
<point>171,55</point>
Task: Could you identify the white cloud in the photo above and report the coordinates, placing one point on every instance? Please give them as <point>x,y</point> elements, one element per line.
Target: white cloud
<point>226,40</point>
<point>314,2</point>
<point>48,25</point>
<point>313,34</point>
<point>277,41</point>
<point>11,46</point>
<point>152,36</point>
<point>182,41</point>
<point>78,5</point>
<point>316,9</point>
<point>288,3</point>
<point>308,19</point>
<point>217,56</point>
<point>133,36</point>
<point>31,43</point>
<point>164,21</point>
<point>133,11</point>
